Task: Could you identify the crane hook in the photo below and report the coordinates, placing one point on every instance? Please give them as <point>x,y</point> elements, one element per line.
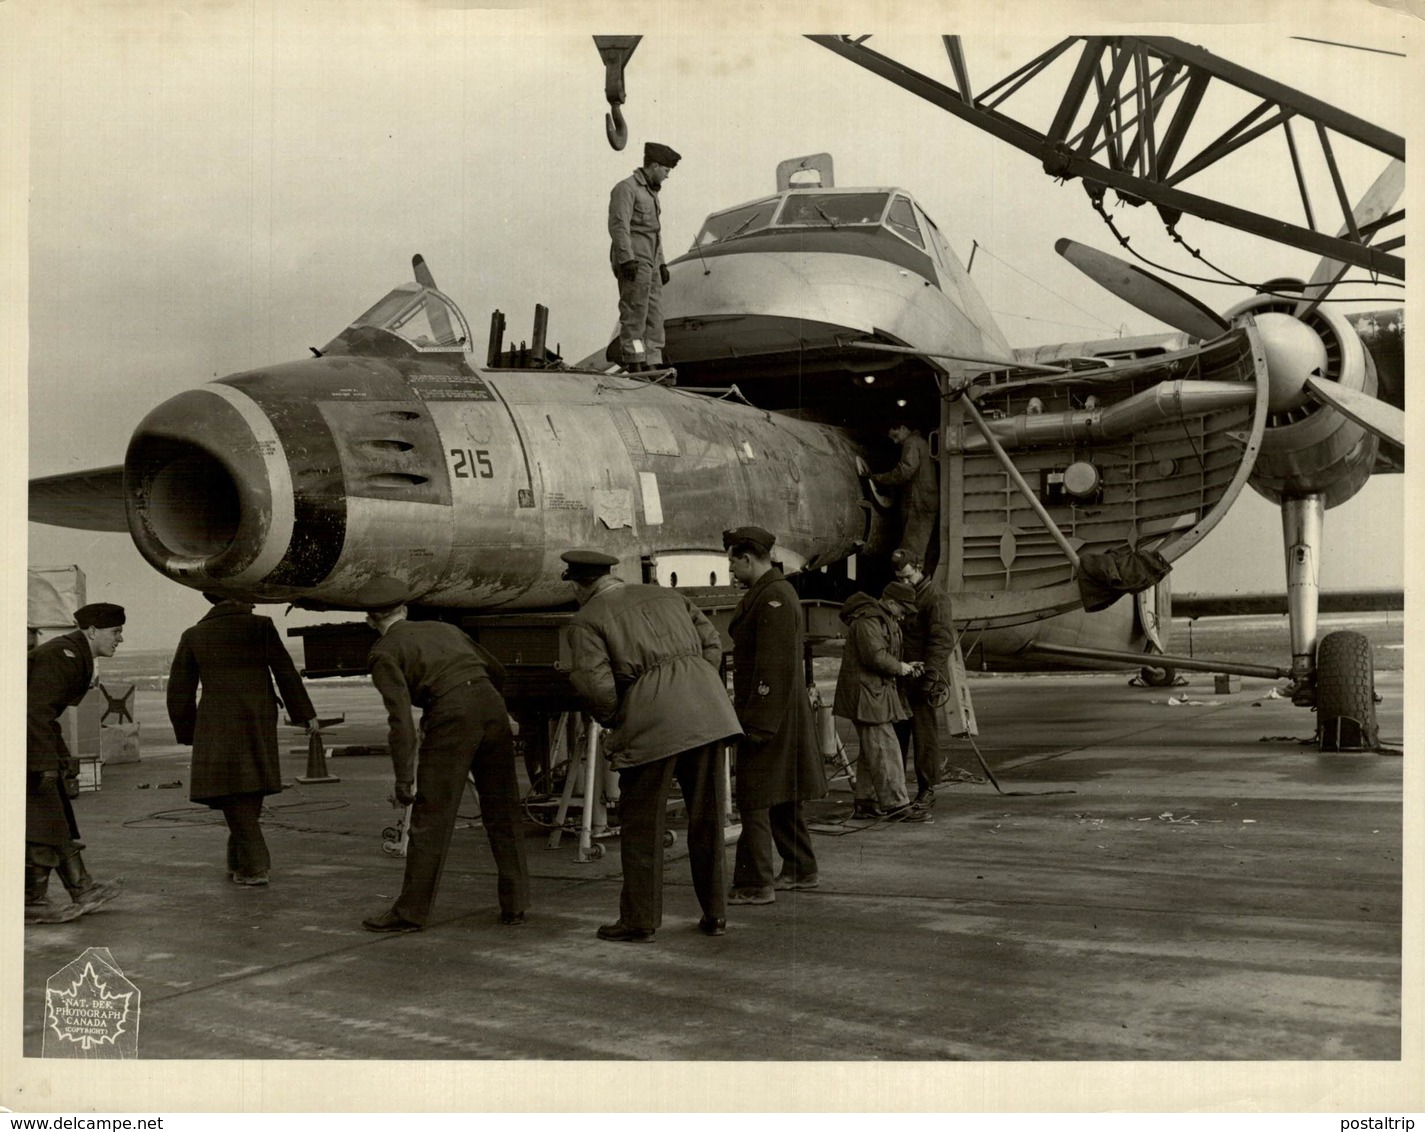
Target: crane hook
<point>615,127</point>
<point>615,51</point>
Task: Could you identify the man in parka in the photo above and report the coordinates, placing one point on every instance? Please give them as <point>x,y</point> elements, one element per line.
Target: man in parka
<point>916,476</point>
<point>645,661</point>
<point>778,763</point>
<point>636,256</point>
<point>59,673</point>
<point>866,694</point>
<point>235,655</point>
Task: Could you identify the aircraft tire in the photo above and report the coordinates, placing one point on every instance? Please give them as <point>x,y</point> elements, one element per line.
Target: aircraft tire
<point>1157,677</point>
<point>1345,693</point>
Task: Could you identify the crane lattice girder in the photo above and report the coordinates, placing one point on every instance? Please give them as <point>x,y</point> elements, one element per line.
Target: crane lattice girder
<point>1125,85</point>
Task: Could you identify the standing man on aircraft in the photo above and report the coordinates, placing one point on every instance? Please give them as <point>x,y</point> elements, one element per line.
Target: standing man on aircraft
<point>465,730</point>
<point>59,673</point>
<point>636,256</point>
<point>645,661</point>
<point>915,475</point>
<point>778,762</point>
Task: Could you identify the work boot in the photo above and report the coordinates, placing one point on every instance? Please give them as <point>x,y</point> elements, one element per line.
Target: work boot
<point>83,889</point>
<point>39,909</point>
<point>761,895</point>
<point>925,799</point>
<point>865,811</point>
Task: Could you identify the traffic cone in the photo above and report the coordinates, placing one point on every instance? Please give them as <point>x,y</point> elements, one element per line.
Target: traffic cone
<point>316,762</point>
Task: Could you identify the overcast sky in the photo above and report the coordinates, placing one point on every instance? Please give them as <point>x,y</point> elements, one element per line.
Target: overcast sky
<point>218,186</point>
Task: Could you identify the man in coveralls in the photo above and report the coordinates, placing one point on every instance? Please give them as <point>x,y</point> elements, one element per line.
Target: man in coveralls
<point>778,763</point>
<point>645,661</point>
<point>636,256</point>
<point>465,728</point>
<point>60,672</point>
<point>915,475</point>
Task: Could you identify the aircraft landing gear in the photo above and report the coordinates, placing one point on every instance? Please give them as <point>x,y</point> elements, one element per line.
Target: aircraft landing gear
<point>1345,693</point>
<point>1162,676</point>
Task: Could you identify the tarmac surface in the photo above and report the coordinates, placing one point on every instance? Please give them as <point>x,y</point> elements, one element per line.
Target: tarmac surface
<point>1158,883</point>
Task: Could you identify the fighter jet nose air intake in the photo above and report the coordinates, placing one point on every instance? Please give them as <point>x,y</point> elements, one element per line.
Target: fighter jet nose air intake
<point>199,485</point>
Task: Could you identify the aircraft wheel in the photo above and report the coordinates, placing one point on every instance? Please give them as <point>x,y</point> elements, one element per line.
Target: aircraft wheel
<point>670,838</point>
<point>1159,677</point>
<point>1345,693</point>
<point>596,852</point>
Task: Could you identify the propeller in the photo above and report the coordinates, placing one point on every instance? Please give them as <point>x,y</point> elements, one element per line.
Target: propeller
<point>1380,198</point>
<point>1141,289</point>
<point>1295,354</point>
<point>439,316</point>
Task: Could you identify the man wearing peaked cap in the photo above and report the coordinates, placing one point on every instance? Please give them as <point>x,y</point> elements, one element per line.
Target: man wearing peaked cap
<point>636,256</point>
<point>60,672</point>
<point>583,563</point>
<point>465,729</point>
<point>644,660</point>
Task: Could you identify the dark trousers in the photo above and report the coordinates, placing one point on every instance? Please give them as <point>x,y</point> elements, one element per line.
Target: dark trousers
<point>247,850</point>
<point>466,731</point>
<point>643,817</point>
<point>924,727</point>
<point>780,827</point>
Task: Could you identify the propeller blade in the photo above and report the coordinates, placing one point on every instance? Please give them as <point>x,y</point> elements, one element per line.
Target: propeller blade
<point>1380,198</point>
<point>439,316</point>
<point>1375,416</point>
<point>1145,291</point>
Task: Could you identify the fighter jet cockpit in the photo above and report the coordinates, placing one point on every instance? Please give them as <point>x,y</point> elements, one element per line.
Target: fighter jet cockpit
<point>410,318</point>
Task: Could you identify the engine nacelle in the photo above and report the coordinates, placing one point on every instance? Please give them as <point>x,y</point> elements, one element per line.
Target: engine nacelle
<point>1309,448</point>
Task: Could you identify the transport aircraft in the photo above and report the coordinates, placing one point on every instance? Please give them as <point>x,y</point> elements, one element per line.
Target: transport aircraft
<point>800,326</point>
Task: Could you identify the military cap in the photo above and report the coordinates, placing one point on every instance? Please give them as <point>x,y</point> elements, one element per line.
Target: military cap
<point>382,592</point>
<point>99,615</point>
<point>757,537</point>
<point>902,558</point>
<point>586,562</point>
<point>654,153</point>
<point>899,591</point>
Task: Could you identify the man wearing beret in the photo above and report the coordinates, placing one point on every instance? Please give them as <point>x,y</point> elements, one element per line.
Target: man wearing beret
<point>235,655</point>
<point>645,662</point>
<point>929,638</point>
<point>465,729</point>
<point>778,763</point>
<point>867,695</point>
<point>636,256</point>
<point>59,673</point>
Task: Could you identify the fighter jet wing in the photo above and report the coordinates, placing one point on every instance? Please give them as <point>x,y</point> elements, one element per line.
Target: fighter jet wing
<point>88,501</point>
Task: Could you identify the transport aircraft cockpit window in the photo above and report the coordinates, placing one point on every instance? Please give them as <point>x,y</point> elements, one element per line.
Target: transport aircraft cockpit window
<point>831,210</point>
<point>424,319</point>
<point>736,222</point>
<point>901,221</point>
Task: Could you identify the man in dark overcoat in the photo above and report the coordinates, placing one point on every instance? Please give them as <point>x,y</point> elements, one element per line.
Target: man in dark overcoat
<point>235,655</point>
<point>465,732</point>
<point>59,672</point>
<point>645,661</point>
<point>778,763</point>
<point>928,638</point>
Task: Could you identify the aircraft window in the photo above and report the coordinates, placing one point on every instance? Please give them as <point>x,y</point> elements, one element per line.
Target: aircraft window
<point>735,222</point>
<point>901,221</point>
<point>934,239</point>
<point>831,210</point>
<point>425,319</point>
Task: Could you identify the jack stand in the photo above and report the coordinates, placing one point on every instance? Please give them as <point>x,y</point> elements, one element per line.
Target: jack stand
<point>592,807</point>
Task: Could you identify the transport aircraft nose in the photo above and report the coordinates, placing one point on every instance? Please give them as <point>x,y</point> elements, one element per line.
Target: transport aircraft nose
<point>209,494</point>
